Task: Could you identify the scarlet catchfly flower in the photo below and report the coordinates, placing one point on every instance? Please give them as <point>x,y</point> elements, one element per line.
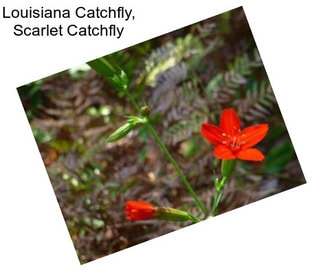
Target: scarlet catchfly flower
<point>139,210</point>
<point>230,141</point>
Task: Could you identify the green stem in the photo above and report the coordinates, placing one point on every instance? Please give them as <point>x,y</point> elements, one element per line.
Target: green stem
<point>109,71</point>
<point>132,100</point>
<point>169,156</point>
<point>219,190</point>
<point>178,170</point>
<point>216,202</point>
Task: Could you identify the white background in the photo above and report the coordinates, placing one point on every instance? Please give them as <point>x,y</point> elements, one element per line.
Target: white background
<point>283,232</point>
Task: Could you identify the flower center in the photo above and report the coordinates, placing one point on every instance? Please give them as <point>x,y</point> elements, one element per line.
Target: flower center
<point>234,142</point>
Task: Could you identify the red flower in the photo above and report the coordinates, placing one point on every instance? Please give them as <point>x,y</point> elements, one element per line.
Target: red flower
<point>230,142</point>
<point>139,210</point>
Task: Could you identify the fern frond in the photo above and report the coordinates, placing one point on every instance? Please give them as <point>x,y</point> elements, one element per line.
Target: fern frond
<point>258,103</point>
<point>183,129</point>
<point>165,57</point>
<point>224,87</point>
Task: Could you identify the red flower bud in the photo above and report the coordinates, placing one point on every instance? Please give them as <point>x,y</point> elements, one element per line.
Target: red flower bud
<point>139,210</point>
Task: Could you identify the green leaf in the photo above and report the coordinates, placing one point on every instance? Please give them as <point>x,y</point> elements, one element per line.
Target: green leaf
<point>102,67</point>
<point>115,75</point>
<point>275,132</point>
<point>98,223</point>
<point>42,136</point>
<point>278,157</point>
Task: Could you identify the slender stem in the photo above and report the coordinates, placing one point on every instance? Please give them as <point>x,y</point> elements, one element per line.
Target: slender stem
<point>219,189</point>
<point>132,100</point>
<point>161,144</point>
<point>216,202</point>
<point>169,156</point>
<point>178,170</point>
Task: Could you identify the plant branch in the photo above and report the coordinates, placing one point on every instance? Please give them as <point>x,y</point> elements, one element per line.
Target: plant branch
<point>169,156</point>
<point>178,170</point>
<point>103,67</point>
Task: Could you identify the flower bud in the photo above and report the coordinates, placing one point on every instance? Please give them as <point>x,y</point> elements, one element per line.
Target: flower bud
<point>139,210</point>
<point>145,110</point>
<point>126,128</point>
<point>121,131</point>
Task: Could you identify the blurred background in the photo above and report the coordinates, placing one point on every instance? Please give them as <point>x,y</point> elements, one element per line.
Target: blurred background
<point>187,77</point>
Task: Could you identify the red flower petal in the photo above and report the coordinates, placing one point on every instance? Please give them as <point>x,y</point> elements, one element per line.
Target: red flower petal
<point>250,155</point>
<point>224,153</point>
<point>212,133</point>
<point>253,134</point>
<point>230,122</point>
<point>139,210</point>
